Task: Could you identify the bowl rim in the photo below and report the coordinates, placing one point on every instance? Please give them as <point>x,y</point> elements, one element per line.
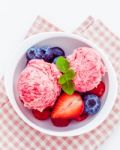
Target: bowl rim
<point>110,99</point>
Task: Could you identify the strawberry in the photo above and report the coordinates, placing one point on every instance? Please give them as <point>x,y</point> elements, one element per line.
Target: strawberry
<point>82,117</point>
<point>60,122</point>
<point>68,106</point>
<point>99,90</point>
<point>45,114</point>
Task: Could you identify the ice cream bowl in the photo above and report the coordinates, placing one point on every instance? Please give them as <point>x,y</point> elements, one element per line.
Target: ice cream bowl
<point>68,42</point>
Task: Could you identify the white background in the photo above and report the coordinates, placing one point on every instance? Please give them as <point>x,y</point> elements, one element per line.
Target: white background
<point>17,16</point>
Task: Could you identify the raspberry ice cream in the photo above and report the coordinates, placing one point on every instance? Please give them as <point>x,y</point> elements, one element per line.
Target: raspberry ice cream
<point>37,85</point>
<point>89,68</point>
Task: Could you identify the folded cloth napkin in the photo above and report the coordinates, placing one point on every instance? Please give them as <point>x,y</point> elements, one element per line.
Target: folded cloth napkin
<point>16,134</point>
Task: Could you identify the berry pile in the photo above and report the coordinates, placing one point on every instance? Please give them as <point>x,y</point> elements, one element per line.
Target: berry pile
<point>71,107</point>
<point>48,54</point>
<point>77,106</point>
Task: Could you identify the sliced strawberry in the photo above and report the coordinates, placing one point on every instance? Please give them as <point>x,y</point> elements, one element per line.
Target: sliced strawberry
<point>41,115</point>
<point>81,117</point>
<point>60,122</point>
<point>68,106</point>
<point>99,90</point>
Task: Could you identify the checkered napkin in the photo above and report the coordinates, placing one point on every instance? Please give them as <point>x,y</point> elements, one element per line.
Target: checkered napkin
<point>16,134</point>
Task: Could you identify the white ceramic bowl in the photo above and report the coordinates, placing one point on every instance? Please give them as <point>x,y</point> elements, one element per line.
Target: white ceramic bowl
<point>68,42</point>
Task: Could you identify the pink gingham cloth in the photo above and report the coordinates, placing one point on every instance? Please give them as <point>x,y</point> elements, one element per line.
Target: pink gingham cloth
<point>16,134</point>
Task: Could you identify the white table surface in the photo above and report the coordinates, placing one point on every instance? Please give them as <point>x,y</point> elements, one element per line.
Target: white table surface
<point>17,16</point>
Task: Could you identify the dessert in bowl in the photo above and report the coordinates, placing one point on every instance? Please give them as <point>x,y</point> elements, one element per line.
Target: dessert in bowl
<point>36,84</point>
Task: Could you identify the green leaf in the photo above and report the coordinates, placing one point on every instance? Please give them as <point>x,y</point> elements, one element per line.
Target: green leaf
<point>68,87</point>
<point>62,64</point>
<point>69,75</point>
<point>62,79</point>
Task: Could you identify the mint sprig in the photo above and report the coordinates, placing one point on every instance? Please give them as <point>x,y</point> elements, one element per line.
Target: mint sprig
<point>62,64</point>
<point>67,75</point>
<point>68,87</point>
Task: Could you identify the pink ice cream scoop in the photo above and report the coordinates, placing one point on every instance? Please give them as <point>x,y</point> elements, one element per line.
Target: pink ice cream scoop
<point>89,68</point>
<point>37,85</point>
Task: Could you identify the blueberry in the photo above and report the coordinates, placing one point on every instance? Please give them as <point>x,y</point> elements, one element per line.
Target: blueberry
<point>55,59</point>
<point>44,52</point>
<point>33,53</point>
<point>44,48</point>
<point>48,55</point>
<point>58,51</point>
<point>92,103</point>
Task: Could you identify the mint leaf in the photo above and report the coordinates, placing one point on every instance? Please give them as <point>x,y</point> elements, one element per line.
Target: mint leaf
<point>69,75</point>
<point>68,87</point>
<point>62,79</point>
<point>62,64</point>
